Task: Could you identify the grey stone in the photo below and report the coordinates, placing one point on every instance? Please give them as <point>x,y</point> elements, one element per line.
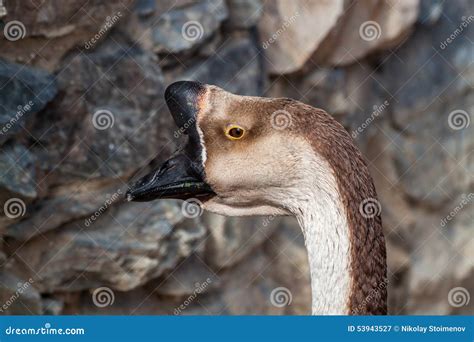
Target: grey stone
<point>110,119</point>
<point>51,31</point>
<point>181,29</point>
<point>236,67</point>
<point>71,202</point>
<point>342,92</point>
<point>448,250</point>
<point>244,13</point>
<point>145,7</point>
<point>232,238</point>
<point>124,248</point>
<point>18,296</point>
<point>427,58</point>
<point>51,306</point>
<point>430,167</point>
<point>430,11</point>
<point>24,91</point>
<point>291,31</point>
<point>139,301</point>
<point>244,288</point>
<point>189,277</point>
<point>289,267</point>
<point>247,287</point>
<point>17,172</point>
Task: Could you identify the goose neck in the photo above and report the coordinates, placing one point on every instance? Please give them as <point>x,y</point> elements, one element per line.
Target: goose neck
<point>327,239</point>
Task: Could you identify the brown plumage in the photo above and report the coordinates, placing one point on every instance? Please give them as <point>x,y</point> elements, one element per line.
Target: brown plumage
<point>368,254</point>
<point>309,168</point>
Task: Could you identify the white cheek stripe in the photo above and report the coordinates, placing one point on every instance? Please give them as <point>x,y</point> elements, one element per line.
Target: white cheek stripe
<point>203,147</point>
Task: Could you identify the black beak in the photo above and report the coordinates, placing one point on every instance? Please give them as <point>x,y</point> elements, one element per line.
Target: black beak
<point>176,178</point>
<point>182,176</point>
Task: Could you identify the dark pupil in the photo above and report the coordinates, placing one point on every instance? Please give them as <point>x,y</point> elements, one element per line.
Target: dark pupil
<point>236,132</point>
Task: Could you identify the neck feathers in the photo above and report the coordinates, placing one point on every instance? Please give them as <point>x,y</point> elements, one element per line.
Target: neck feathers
<point>322,218</point>
<point>341,223</point>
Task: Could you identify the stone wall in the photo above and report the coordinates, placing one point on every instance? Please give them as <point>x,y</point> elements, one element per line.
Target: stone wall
<point>82,113</point>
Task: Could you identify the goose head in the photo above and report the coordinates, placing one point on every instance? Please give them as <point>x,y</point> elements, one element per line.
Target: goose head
<point>249,155</point>
<point>241,157</point>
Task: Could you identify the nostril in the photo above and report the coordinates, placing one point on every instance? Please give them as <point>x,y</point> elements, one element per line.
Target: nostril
<point>145,180</point>
<point>167,165</point>
<point>149,178</point>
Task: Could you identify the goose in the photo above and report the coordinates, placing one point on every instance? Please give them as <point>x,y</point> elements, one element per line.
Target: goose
<point>249,155</point>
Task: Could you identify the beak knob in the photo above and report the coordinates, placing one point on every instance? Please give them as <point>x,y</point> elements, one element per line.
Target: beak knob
<point>182,99</point>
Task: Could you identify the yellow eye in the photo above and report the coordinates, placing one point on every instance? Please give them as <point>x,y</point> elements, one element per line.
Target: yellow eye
<point>234,132</point>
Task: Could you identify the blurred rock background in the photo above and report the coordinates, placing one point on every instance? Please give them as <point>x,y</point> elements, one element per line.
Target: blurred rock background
<point>82,113</point>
